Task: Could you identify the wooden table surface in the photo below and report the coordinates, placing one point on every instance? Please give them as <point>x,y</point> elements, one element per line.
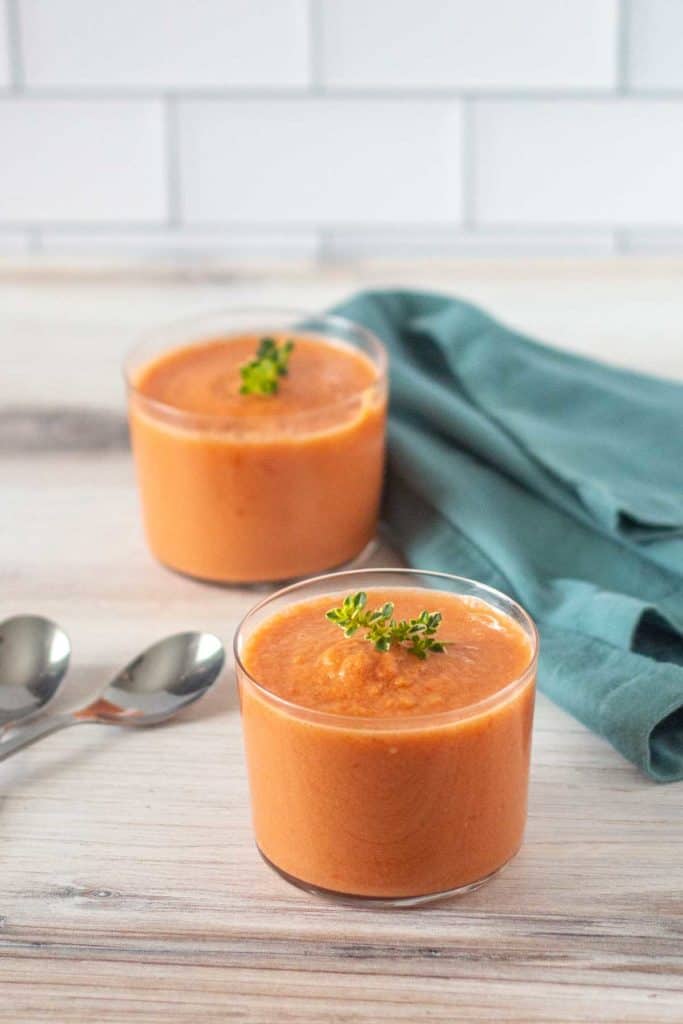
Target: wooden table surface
<point>130,888</point>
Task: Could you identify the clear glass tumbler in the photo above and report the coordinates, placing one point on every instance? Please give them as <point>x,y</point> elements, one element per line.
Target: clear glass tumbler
<point>244,498</point>
<point>387,810</point>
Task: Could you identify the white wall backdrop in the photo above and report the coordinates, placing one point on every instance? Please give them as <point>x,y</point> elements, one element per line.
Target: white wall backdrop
<point>329,129</point>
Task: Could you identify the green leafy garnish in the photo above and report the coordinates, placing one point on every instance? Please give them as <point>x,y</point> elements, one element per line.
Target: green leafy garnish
<point>383,630</point>
<point>262,375</point>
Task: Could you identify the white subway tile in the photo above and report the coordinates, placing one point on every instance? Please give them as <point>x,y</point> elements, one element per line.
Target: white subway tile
<point>81,160</point>
<point>5,75</point>
<point>662,242</point>
<point>320,161</point>
<point>181,247</point>
<point>655,37</point>
<point>14,243</point>
<point>165,43</point>
<point>534,44</point>
<point>412,244</point>
<point>578,162</point>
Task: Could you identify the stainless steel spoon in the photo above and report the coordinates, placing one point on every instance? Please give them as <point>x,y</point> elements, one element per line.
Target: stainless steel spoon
<point>34,657</point>
<point>160,682</point>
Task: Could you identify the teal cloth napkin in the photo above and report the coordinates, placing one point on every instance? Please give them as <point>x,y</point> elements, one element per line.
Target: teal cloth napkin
<point>558,480</point>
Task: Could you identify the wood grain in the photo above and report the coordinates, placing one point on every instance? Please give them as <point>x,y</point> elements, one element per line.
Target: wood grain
<point>130,889</point>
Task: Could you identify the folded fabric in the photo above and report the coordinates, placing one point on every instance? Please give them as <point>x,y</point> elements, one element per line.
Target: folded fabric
<point>558,480</point>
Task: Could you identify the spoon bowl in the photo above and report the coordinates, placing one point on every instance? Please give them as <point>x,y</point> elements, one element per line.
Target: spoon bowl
<point>34,657</point>
<point>161,681</point>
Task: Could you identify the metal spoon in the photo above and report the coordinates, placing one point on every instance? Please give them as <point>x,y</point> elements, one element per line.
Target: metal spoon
<point>34,657</point>
<point>160,682</point>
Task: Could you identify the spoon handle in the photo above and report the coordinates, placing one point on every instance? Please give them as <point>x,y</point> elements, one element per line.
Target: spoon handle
<point>32,733</point>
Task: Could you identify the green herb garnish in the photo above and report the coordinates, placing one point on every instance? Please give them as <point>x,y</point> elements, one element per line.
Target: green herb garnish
<point>262,375</point>
<point>383,630</point>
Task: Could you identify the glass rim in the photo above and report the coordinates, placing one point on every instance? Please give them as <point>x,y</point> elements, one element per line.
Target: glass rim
<point>378,356</point>
<point>393,723</point>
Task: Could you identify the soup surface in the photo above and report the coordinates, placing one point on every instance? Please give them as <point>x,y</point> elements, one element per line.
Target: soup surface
<point>205,379</point>
<point>299,655</point>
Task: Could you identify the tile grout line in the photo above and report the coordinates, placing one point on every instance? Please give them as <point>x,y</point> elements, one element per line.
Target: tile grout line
<point>314,19</point>
<point>172,160</point>
<point>389,228</point>
<point>14,46</point>
<point>622,46</point>
<point>326,239</point>
<point>35,241</point>
<point>296,94</point>
<point>319,248</point>
<point>468,168</point>
<point>620,237</point>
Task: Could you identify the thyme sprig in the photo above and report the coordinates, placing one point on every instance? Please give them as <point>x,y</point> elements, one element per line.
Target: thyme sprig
<point>417,635</point>
<point>261,376</point>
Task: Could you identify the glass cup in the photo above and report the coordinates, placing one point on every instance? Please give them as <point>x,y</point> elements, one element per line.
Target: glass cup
<point>252,499</point>
<point>396,810</point>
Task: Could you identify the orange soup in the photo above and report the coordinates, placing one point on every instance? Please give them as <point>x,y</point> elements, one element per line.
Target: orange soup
<point>379,774</point>
<point>256,487</point>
